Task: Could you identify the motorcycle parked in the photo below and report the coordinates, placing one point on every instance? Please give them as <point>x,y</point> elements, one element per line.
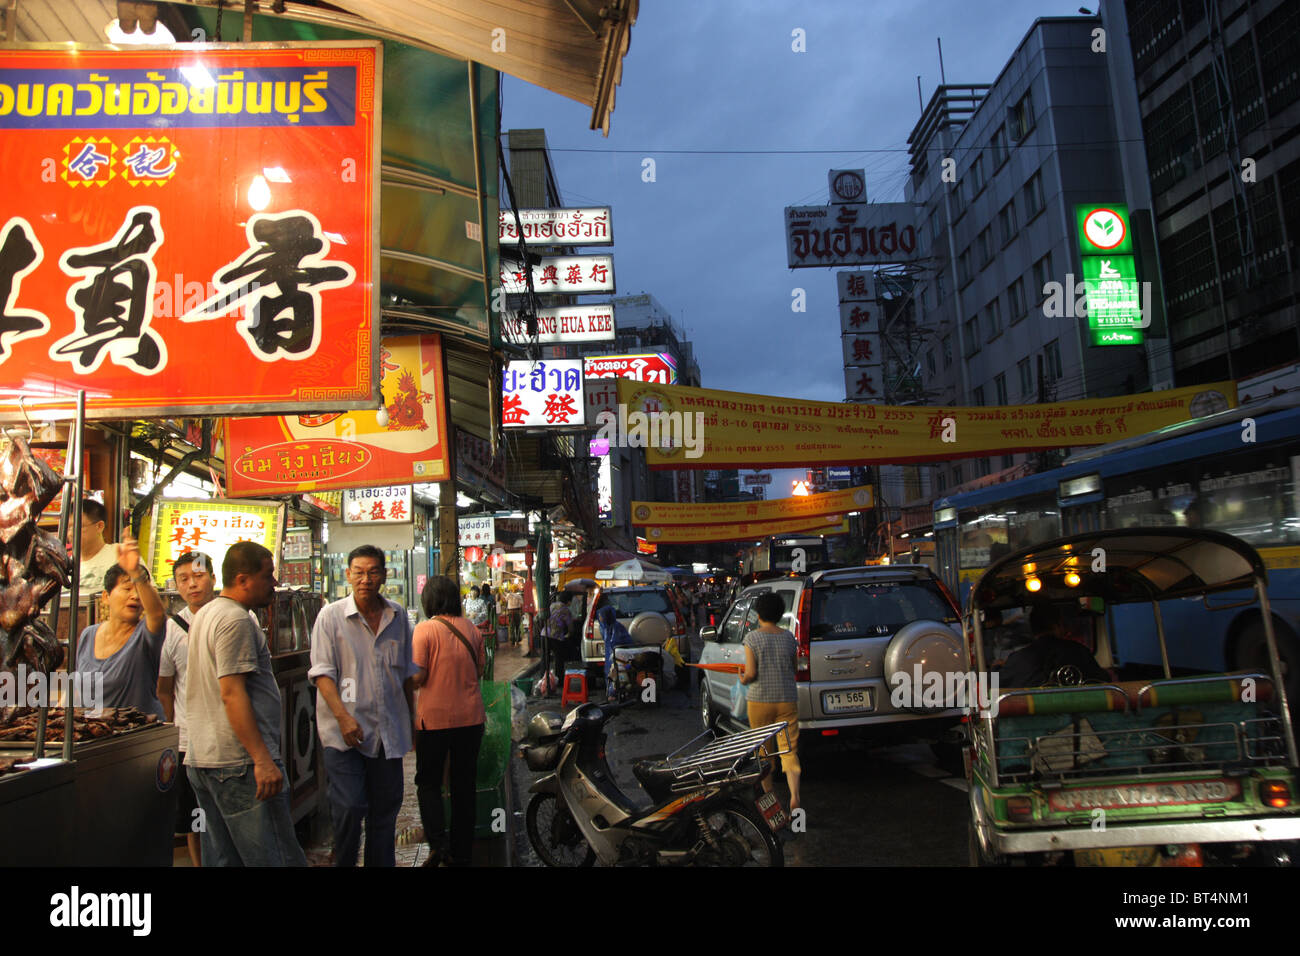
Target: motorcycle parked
<point>707,809</point>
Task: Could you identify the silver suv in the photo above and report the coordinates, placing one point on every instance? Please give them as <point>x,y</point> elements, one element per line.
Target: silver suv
<point>855,628</point>
<point>649,612</point>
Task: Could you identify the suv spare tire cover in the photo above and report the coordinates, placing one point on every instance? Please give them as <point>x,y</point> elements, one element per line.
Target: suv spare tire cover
<point>650,627</point>
<point>930,644</point>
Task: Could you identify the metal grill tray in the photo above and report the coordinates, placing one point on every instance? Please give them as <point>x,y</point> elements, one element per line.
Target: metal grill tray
<point>728,758</point>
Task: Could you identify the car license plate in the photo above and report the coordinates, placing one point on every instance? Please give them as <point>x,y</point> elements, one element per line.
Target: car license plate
<point>769,804</point>
<point>1117,856</point>
<point>846,701</point>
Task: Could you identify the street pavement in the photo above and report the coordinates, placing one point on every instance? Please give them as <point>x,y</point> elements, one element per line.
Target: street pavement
<point>881,806</point>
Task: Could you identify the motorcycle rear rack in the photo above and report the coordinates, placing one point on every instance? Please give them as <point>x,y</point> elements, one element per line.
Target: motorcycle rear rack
<point>731,758</point>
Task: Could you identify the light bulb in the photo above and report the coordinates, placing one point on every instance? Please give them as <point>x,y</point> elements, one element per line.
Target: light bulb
<point>1033,584</point>
<point>381,417</point>
<point>259,193</point>
<point>1072,579</point>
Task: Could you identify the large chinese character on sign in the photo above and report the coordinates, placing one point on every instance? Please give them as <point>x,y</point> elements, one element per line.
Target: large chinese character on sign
<point>190,230</point>
<point>391,505</point>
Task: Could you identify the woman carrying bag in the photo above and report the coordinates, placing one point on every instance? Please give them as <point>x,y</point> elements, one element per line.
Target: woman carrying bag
<point>450,715</point>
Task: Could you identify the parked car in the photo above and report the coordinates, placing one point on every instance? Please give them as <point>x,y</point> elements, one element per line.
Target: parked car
<point>855,628</point>
<point>649,612</point>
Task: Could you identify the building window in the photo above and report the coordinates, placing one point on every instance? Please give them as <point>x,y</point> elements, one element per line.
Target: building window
<point>1026,378</point>
<point>977,175</point>
<point>956,475</point>
<point>1042,276</point>
<point>972,335</point>
<point>1008,461</point>
<point>999,147</point>
<point>963,266</point>
<point>1007,220</point>
<point>993,319</point>
<point>1034,201</point>
<point>940,288</point>
<point>986,246</point>
<point>1052,361</point>
<point>977,396</point>
<point>983,465</point>
<point>929,362</point>
<point>934,224</point>
<point>947,351</point>
<point>1021,117</point>
<point>940,482</point>
<point>1000,387</point>
<point>1016,301</point>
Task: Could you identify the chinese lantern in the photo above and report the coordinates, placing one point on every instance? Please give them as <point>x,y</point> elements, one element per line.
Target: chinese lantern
<point>473,554</point>
<point>496,560</point>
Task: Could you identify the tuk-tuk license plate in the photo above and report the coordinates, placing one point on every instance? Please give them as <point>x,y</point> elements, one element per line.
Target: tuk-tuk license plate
<point>847,701</point>
<point>769,804</point>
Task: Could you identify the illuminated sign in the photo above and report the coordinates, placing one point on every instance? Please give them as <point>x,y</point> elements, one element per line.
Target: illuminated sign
<point>1110,279</point>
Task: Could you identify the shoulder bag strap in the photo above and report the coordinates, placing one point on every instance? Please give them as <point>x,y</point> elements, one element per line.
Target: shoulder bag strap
<point>180,622</point>
<point>461,637</point>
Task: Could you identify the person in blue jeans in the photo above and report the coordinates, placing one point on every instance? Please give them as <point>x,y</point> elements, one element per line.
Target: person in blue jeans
<point>363,643</point>
<point>233,714</point>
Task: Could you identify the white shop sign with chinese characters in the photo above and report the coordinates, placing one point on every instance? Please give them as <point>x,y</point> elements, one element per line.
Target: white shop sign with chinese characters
<point>543,394</point>
<point>864,384</point>
<point>862,350</point>
<point>856,286</point>
<point>859,317</point>
<point>476,530</point>
<point>557,227</point>
<point>562,275</point>
<point>391,505</point>
<point>563,325</point>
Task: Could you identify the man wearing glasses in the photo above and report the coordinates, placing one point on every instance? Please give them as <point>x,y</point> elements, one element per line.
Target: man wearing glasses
<point>362,665</point>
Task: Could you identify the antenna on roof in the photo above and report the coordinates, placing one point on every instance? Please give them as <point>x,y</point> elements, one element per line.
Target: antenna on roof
<point>942,78</point>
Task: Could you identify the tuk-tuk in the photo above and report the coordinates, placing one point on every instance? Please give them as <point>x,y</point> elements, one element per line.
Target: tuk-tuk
<point>1165,768</point>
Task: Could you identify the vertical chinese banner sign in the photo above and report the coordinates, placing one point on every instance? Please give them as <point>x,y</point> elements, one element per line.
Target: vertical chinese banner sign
<point>190,230</point>
<point>282,455</point>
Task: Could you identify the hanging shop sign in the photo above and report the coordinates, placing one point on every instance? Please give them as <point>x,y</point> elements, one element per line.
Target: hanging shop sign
<point>864,384</point>
<point>859,318</point>
<point>851,234</point>
<point>190,230</point>
<point>557,227</point>
<point>210,526</point>
<point>757,478</point>
<point>562,325</point>
<point>1112,292</point>
<point>743,531</point>
<point>856,286</point>
<point>600,395</point>
<point>646,513</point>
<point>475,530</point>
<point>330,502</point>
<point>862,349</point>
<point>561,275</point>
<point>296,453</point>
<point>391,505</point>
<point>741,430</point>
<point>657,367</point>
<point>646,547</point>
<point>543,394</point>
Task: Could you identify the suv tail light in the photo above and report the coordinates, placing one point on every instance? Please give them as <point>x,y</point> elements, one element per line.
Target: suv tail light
<point>943,587</point>
<point>803,637</point>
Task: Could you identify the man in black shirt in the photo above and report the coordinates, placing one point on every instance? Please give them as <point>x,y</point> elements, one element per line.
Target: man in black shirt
<point>1036,664</point>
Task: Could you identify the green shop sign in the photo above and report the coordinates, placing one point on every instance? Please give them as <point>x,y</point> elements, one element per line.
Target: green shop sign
<point>1113,292</point>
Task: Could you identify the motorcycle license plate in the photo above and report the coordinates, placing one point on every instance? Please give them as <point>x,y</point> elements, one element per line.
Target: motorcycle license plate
<point>769,804</point>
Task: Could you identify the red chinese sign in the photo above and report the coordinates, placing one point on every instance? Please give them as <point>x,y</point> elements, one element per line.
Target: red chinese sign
<point>286,454</point>
<point>189,230</point>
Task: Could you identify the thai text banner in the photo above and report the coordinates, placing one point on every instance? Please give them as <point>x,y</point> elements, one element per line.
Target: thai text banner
<point>282,454</point>
<point>761,431</point>
<point>745,531</point>
<point>178,96</point>
<point>212,527</point>
<point>190,230</point>
<point>646,513</point>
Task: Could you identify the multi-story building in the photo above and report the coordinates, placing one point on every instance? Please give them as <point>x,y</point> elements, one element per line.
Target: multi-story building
<point>996,173</point>
<point>1217,86</point>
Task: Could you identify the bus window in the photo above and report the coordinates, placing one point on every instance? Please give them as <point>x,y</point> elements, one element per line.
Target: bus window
<point>1254,499</point>
<point>1034,520</point>
<point>983,537</point>
<point>1153,499</point>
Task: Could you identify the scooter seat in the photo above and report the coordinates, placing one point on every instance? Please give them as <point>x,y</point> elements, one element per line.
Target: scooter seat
<point>655,776</point>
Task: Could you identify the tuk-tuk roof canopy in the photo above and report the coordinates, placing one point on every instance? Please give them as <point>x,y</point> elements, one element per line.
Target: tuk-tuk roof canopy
<point>1140,564</point>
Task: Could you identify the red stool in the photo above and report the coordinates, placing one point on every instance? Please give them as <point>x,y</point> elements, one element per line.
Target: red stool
<point>575,687</point>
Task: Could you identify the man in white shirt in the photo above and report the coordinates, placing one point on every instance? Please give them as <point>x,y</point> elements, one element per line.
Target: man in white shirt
<point>197,585</point>
<point>97,555</point>
<point>363,666</point>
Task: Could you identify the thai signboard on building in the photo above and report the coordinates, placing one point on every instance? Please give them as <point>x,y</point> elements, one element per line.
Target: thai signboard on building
<point>562,325</point>
<point>852,234</point>
<point>654,367</point>
<point>391,505</point>
<point>560,275</point>
<point>477,530</point>
<point>542,394</point>
<point>1112,291</point>
<point>210,526</point>
<point>192,229</point>
<point>557,227</point>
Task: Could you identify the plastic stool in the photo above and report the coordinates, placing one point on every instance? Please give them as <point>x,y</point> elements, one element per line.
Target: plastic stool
<point>575,687</point>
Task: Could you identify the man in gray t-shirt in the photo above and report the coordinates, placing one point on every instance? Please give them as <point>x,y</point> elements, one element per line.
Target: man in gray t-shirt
<point>233,711</point>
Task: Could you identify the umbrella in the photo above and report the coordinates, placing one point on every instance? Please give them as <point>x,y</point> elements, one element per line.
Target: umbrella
<point>634,570</point>
<point>586,564</point>
<point>580,584</point>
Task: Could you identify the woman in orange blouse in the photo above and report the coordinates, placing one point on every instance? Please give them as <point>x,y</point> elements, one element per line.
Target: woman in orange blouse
<point>449,718</point>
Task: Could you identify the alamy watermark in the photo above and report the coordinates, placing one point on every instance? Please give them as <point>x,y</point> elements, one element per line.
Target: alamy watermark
<point>938,690</point>
<point>662,430</point>
<point>24,688</point>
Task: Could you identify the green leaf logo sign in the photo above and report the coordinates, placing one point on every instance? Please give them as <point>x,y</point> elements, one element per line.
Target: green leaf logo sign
<point>1104,229</point>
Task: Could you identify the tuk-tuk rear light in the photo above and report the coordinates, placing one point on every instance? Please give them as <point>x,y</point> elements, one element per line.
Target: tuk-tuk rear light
<point>1275,793</point>
<point>1072,579</point>
<point>1020,809</point>
<point>1033,585</point>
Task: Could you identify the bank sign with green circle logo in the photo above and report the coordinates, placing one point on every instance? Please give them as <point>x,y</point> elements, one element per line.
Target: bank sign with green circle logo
<point>1109,274</point>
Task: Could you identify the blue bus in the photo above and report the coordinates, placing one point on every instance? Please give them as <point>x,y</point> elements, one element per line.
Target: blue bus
<point>1236,471</point>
